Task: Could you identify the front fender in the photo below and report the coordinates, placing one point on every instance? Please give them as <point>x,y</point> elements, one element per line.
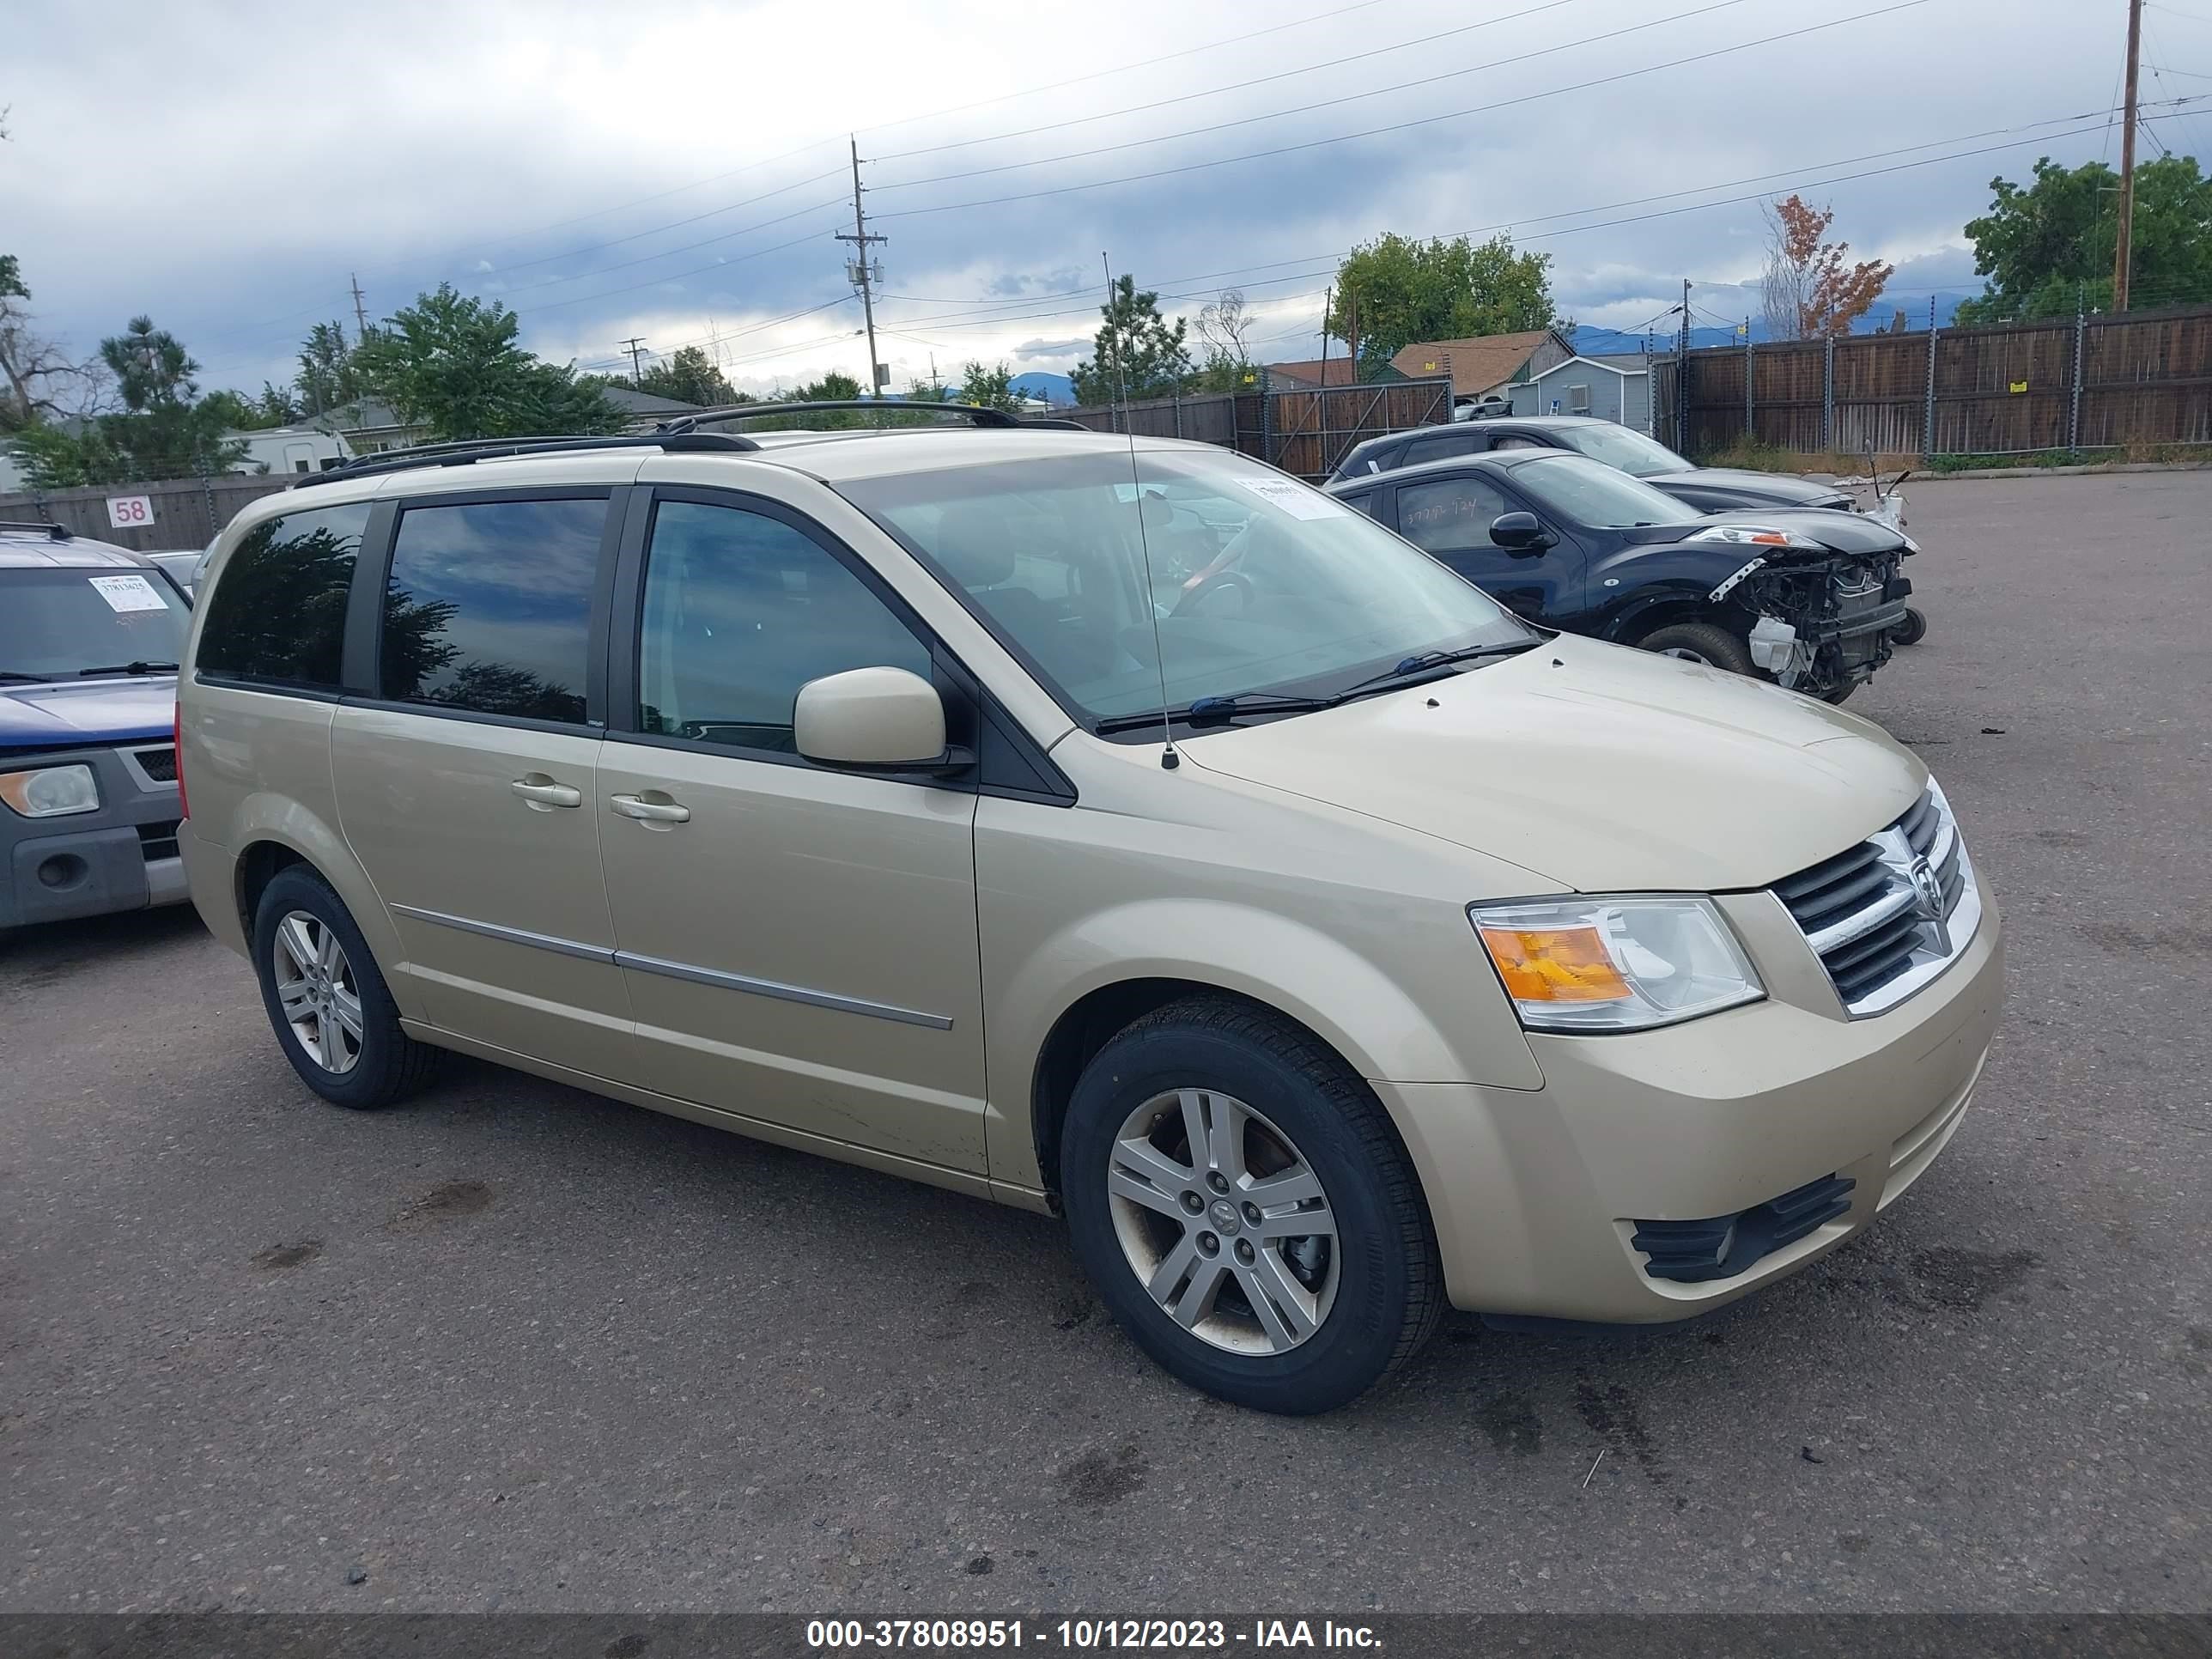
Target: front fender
<point>1350,1002</point>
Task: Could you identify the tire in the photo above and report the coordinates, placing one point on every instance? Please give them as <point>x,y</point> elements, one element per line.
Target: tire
<point>1914,628</point>
<point>376,1066</point>
<point>1841,694</point>
<point>1346,1309</point>
<point>1699,642</point>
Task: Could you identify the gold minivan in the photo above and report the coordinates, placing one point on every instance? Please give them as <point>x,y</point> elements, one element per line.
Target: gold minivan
<point>1121,829</point>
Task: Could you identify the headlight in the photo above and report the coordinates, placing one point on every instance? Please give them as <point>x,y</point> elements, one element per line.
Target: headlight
<point>1614,964</point>
<point>1749,535</point>
<point>54,793</point>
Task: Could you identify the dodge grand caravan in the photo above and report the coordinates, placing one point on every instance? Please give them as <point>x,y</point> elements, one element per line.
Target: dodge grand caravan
<point>1325,944</point>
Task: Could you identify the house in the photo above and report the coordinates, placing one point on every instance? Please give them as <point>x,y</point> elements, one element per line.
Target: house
<point>1483,364</point>
<point>1612,387</point>
<point>1312,371</point>
<point>645,410</point>
<point>367,427</point>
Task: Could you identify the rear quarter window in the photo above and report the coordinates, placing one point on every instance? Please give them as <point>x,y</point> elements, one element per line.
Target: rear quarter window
<point>277,614</point>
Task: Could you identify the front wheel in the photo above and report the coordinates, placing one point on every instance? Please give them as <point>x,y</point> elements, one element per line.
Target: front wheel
<point>1246,1210</point>
<point>1913,629</point>
<point>1699,642</point>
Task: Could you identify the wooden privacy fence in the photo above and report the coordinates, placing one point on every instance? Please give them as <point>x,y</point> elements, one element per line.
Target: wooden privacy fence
<point>1305,430</point>
<point>2004,389</point>
<point>187,512</point>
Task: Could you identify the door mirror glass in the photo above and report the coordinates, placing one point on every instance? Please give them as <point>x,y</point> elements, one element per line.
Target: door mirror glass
<point>1521,533</point>
<point>870,719</point>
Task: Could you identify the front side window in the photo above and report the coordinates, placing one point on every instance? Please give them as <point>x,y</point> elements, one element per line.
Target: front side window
<point>1216,577</point>
<point>61,624</point>
<point>488,606</point>
<point>1450,515</point>
<point>277,616</point>
<point>1616,445</point>
<point>1584,491</point>
<point>742,610</point>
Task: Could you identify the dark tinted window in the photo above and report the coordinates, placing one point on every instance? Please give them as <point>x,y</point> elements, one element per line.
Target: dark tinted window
<point>1453,513</point>
<point>1438,448</point>
<point>741,611</point>
<point>488,606</point>
<point>278,614</point>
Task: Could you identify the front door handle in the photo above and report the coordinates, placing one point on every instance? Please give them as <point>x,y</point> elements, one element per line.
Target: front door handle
<point>650,810</point>
<point>544,794</point>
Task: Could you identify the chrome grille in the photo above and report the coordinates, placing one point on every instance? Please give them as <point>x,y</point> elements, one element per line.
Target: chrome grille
<point>1889,914</point>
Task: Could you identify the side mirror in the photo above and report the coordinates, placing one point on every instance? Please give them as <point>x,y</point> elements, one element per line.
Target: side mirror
<point>874,720</point>
<point>1521,533</point>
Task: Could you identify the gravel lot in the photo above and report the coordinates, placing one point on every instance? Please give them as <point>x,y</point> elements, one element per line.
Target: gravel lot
<point>515,1346</point>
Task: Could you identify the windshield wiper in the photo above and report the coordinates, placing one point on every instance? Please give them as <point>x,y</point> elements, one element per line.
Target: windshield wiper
<point>1205,709</point>
<point>1422,662</point>
<point>12,677</point>
<point>127,668</point>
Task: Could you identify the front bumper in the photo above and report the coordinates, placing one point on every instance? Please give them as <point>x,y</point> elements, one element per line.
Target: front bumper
<point>1537,1195</point>
<point>122,857</point>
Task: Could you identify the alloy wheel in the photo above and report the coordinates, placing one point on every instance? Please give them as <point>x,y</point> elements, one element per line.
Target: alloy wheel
<point>317,991</point>
<point>1223,1221</point>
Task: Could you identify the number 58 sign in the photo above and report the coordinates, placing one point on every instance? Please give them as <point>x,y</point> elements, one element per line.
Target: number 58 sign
<point>130,512</point>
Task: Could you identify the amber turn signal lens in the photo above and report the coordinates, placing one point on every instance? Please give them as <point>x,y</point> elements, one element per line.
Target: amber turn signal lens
<point>1554,964</point>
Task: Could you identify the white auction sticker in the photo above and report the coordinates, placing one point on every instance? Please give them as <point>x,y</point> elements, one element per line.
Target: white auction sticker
<point>1294,498</point>
<point>127,594</point>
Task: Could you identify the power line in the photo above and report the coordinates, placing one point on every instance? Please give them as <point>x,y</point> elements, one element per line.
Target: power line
<point>672,276</point>
<point>1239,86</point>
<point>1360,97</point>
<point>674,224</point>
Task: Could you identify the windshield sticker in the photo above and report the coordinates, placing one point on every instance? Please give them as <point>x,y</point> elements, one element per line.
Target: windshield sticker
<point>1294,498</point>
<point>125,594</point>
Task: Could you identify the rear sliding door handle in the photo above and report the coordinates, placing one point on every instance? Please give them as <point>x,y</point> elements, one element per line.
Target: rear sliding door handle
<point>543,793</point>
<point>648,809</point>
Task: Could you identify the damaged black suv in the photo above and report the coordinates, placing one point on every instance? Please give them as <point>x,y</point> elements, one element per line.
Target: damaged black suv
<point>1807,598</point>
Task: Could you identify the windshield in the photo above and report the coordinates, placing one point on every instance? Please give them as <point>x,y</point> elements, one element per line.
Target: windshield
<point>54,624</point>
<point>1249,580</point>
<point>1616,445</point>
<point>1587,492</point>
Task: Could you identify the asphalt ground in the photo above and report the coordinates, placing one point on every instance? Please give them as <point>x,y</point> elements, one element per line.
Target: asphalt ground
<point>514,1346</point>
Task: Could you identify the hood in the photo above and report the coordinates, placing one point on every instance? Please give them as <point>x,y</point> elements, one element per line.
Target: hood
<point>1607,770</point>
<point>1838,532</point>
<point>1777,489</point>
<point>83,712</point>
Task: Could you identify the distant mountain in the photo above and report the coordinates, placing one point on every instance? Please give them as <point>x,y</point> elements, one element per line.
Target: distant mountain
<point>1053,388</point>
<point>1592,341</point>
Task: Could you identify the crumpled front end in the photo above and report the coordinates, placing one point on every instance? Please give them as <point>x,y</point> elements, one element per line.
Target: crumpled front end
<point>1819,622</point>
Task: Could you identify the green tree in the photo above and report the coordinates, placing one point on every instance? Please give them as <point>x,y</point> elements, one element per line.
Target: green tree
<point>1136,353</point>
<point>689,376</point>
<point>991,385</point>
<point>2047,248</point>
<point>1396,290</point>
<point>327,379</point>
<point>452,363</point>
<point>166,428</point>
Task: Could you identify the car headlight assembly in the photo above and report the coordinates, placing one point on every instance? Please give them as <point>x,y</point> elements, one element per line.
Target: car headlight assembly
<point>53,791</point>
<point>1628,963</point>
<point>1748,535</point>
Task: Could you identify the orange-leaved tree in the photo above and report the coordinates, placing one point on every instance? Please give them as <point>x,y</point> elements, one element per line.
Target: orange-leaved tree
<point>1810,290</point>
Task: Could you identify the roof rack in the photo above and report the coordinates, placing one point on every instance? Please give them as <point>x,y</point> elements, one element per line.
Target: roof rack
<point>465,452</point>
<point>977,414</point>
<point>57,532</point>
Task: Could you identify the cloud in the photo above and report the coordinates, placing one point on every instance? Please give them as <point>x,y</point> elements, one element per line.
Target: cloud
<point>578,162</point>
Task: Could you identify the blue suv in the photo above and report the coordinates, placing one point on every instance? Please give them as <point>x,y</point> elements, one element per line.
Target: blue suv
<point>90,636</point>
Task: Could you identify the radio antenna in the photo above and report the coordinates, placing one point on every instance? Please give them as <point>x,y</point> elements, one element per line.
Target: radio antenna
<point>1169,759</point>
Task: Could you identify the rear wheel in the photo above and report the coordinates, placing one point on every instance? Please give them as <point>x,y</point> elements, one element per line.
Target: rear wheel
<point>1698,641</point>
<point>1245,1209</point>
<point>333,1016</point>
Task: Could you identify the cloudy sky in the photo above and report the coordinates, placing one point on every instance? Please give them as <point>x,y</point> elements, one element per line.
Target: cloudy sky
<point>678,171</point>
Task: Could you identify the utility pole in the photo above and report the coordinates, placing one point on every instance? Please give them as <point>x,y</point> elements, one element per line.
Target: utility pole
<point>1328,299</point>
<point>359,312</point>
<point>1682,374</point>
<point>2124,241</point>
<point>864,273</point>
<point>636,346</point>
